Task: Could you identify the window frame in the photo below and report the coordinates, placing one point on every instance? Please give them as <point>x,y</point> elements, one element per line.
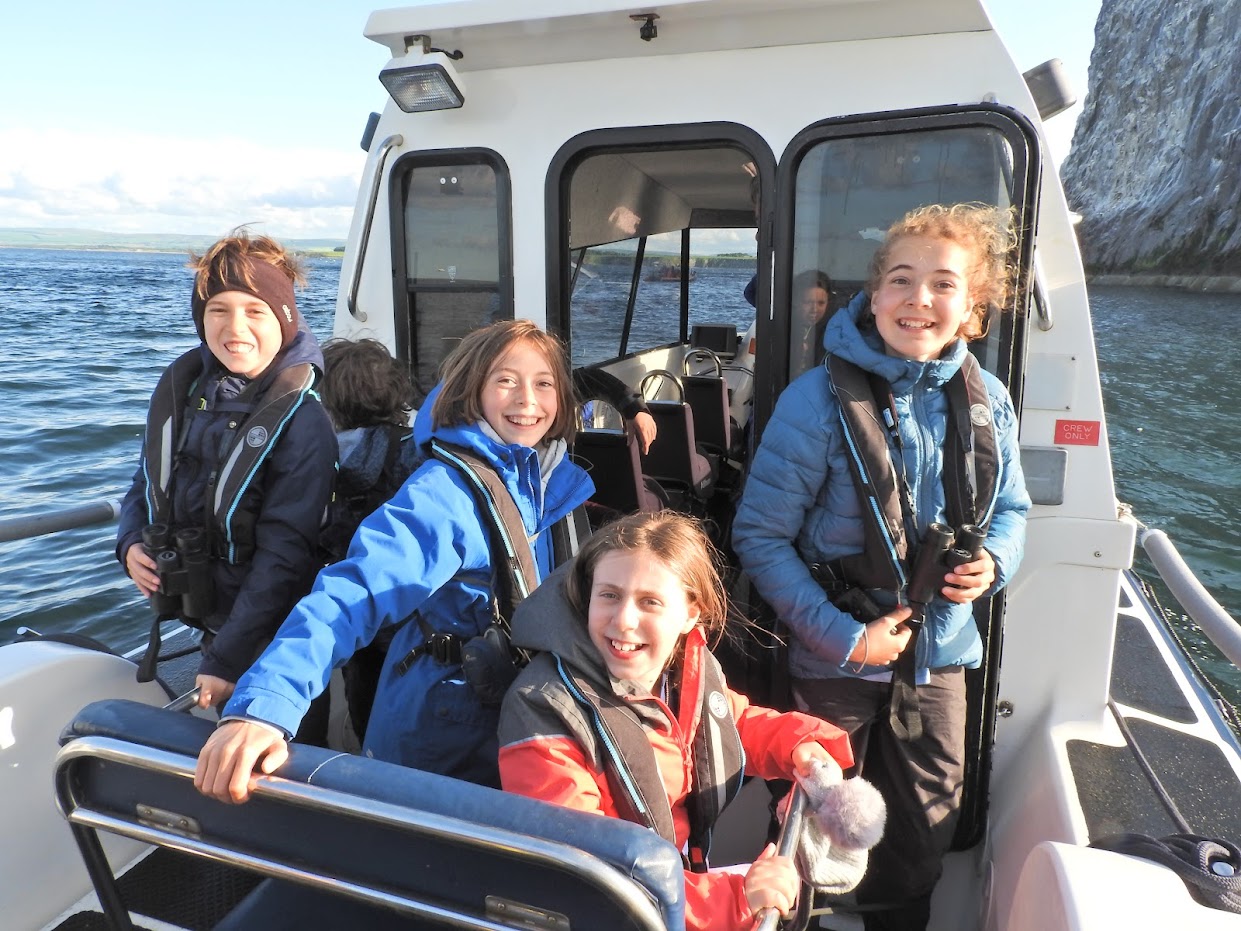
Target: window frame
<point>402,295</point>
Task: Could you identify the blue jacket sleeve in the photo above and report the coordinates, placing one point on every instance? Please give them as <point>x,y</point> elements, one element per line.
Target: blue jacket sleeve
<point>1006,534</point>
<point>788,472</point>
<point>400,556</point>
<point>296,493</point>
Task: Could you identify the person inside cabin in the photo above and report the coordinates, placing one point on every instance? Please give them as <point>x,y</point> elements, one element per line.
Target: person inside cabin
<point>422,564</point>
<point>812,292</point>
<point>369,396</point>
<point>237,464</point>
<point>881,656</point>
<point>591,382</point>
<point>623,710</point>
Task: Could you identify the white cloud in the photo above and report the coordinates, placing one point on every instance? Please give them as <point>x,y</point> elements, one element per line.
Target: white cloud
<point>155,184</point>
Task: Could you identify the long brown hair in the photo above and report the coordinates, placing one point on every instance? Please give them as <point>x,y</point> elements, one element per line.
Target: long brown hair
<point>466,369</point>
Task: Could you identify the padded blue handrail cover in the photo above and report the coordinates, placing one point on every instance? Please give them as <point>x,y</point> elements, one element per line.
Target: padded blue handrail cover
<point>638,853</point>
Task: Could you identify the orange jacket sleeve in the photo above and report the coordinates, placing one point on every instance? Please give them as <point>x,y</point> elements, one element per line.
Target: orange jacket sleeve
<point>554,769</point>
<point>769,737</point>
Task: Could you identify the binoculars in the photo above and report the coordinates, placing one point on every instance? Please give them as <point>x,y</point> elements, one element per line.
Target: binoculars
<point>942,548</point>
<point>182,560</point>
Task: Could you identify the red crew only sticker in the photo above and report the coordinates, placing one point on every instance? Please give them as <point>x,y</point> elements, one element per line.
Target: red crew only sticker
<point>1077,433</point>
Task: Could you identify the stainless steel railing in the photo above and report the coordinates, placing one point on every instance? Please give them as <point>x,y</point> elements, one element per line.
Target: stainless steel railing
<point>35,525</point>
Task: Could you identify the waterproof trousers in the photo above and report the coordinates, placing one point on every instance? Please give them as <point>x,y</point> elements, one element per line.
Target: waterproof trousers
<point>920,781</point>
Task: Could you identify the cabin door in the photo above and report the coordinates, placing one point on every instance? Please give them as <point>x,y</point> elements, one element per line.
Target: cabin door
<point>839,185</point>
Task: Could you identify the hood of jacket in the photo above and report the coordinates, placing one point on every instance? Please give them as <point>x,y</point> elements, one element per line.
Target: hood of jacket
<point>851,335</point>
<point>552,482</point>
<point>547,622</point>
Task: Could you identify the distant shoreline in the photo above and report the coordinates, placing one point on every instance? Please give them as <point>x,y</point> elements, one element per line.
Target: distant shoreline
<point>167,250</point>
<point>1212,284</point>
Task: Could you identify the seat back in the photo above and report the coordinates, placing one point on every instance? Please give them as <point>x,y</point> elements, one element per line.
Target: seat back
<point>422,849</point>
<point>673,458</point>
<point>615,466</point>
<point>707,396</point>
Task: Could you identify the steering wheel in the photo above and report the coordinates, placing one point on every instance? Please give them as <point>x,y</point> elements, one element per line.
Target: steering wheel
<point>701,354</point>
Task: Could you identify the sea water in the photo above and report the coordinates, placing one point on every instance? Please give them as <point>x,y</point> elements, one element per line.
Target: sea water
<point>84,335</point>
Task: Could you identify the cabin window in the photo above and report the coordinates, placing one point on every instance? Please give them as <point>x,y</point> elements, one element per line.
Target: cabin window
<point>661,238</point>
<point>848,191</point>
<point>454,253</point>
<point>601,290</point>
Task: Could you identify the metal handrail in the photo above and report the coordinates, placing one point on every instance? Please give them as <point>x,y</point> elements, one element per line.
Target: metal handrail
<point>355,279</point>
<point>36,525</point>
<point>575,863</point>
<point>1210,616</point>
<point>786,846</point>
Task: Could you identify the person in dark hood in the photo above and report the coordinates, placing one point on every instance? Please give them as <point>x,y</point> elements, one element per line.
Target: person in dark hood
<point>237,463</point>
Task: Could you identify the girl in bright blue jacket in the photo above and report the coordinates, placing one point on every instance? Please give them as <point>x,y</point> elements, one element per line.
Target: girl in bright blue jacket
<point>930,287</point>
<point>421,561</point>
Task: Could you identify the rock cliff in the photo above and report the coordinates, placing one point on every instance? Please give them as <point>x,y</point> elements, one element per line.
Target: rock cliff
<point>1155,165</point>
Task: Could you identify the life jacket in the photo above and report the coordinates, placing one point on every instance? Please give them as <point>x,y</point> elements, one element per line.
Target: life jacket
<point>230,526</point>
<point>351,506</point>
<point>971,464</point>
<point>633,773</point>
<point>489,662</point>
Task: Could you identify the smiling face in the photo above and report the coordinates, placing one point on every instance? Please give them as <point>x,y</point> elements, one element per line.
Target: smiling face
<point>242,332</point>
<point>813,305</point>
<point>923,296</point>
<point>519,398</point>
<point>637,614</point>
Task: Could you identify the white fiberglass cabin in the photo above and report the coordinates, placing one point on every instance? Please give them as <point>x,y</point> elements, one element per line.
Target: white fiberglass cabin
<point>574,161</point>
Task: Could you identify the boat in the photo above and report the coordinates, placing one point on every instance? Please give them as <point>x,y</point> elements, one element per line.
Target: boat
<point>662,271</point>
<point>1088,718</point>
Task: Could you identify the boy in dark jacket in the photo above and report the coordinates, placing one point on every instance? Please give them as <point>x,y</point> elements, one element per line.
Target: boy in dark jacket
<point>237,463</point>
<point>367,393</point>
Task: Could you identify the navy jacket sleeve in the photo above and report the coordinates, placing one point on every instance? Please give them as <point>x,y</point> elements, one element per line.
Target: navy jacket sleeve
<point>593,382</point>
<point>133,516</point>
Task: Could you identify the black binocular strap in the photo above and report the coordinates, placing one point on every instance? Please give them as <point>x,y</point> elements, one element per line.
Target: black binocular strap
<point>904,710</point>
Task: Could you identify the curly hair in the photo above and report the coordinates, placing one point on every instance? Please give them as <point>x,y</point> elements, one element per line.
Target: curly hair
<point>363,385</point>
<point>987,232</point>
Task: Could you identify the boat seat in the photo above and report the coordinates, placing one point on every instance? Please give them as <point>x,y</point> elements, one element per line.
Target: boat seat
<point>348,841</point>
<point>707,395</point>
<point>674,459</point>
<point>614,462</point>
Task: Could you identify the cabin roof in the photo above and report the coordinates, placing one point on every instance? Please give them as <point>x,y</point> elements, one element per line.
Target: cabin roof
<point>505,33</point>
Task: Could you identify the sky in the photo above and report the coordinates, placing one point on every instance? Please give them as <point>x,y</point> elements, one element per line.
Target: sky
<point>162,116</point>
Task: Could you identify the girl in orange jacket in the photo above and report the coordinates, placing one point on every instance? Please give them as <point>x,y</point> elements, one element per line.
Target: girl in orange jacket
<point>625,712</point>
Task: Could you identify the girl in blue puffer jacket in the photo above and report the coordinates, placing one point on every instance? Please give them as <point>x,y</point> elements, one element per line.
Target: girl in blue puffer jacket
<point>804,534</point>
<point>421,563</point>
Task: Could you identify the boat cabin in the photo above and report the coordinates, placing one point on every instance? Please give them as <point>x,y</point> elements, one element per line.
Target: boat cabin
<point>652,185</point>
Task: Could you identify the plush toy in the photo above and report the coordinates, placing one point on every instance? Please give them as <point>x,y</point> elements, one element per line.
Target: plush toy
<point>844,819</point>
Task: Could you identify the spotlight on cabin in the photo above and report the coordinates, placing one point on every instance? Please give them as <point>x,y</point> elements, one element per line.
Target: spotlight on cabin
<point>1050,87</point>
<point>423,78</point>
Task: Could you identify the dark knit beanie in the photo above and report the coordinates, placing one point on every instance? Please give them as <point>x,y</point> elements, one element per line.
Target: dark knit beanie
<point>268,283</point>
